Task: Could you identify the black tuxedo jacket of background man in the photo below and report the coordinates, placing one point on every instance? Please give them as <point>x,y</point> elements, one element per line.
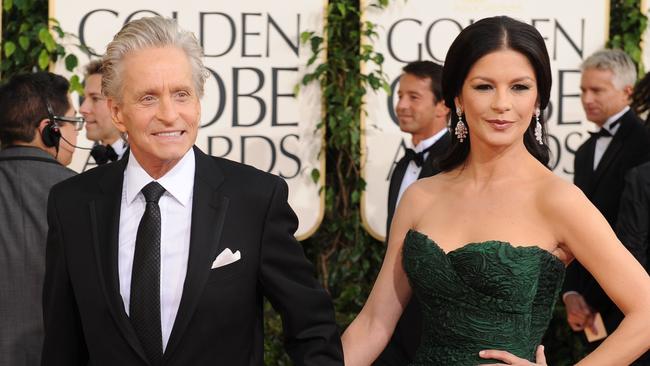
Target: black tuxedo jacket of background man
<point>220,317</point>
<point>629,147</point>
<point>406,337</point>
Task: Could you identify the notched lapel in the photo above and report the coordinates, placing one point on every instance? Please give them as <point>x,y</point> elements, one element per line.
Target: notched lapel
<point>209,209</point>
<point>437,151</point>
<point>105,221</point>
<point>613,150</point>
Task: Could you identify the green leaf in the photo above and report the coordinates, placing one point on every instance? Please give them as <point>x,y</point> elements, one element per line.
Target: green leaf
<point>342,9</point>
<point>23,41</point>
<point>71,62</point>
<point>7,5</point>
<point>24,27</point>
<point>21,4</point>
<point>304,36</point>
<point>45,37</point>
<point>43,59</point>
<point>75,85</point>
<point>10,48</point>
<point>59,31</point>
<point>315,175</point>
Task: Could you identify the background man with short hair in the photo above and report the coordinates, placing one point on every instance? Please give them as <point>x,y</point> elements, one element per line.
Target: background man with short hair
<point>32,160</point>
<point>109,144</point>
<point>622,142</point>
<point>422,113</point>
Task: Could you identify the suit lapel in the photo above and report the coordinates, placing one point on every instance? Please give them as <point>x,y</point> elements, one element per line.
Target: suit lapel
<point>395,183</point>
<point>438,150</point>
<point>208,215</point>
<point>613,149</point>
<point>105,221</point>
<point>584,166</point>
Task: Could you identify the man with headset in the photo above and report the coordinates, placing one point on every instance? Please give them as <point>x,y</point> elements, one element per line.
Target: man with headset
<point>37,130</point>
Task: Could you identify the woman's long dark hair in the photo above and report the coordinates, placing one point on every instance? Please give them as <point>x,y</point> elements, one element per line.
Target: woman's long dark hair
<point>477,40</point>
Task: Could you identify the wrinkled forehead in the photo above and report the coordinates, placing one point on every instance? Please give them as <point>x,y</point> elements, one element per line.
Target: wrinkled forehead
<point>156,68</point>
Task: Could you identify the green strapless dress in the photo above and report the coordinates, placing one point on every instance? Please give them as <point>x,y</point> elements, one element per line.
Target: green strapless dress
<point>487,295</point>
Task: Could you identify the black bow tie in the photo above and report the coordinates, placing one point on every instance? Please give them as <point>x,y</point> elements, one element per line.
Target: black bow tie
<point>603,132</point>
<point>103,154</point>
<point>417,158</point>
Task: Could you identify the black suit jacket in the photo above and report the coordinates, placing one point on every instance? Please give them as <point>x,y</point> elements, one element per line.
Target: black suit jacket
<point>629,147</point>
<point>220,317</point>
<point>633,227</point>
<point>406,337</point>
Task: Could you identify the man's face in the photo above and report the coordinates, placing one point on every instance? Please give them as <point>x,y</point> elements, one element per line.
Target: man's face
<point>418,112</point>
<point>159,107</point>
<point>99,126</point>
<point>600,98</point>
<point>68,132</point>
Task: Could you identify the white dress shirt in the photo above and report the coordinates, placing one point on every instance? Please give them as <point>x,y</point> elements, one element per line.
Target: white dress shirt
<point>176,221</point>
<point>119,146</point>
<point>413,170</point>
<point>603,142</point>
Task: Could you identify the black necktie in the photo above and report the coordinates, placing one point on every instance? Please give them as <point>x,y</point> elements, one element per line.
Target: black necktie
<point>144,309</point>
<point>417,158</point>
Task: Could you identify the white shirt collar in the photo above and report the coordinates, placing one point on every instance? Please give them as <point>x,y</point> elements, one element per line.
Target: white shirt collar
<point>426,143</point>
<point>614,118</point>
<point>178,182</point>
<point>119,146</point>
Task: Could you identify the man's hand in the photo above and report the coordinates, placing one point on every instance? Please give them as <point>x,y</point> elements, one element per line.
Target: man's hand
<point>510,359</point>
<point>578,312</point>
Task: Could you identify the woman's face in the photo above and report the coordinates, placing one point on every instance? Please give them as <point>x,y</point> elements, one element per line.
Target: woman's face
<point>498,98</point>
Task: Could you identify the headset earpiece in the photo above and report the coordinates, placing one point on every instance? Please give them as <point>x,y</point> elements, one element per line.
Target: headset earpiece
<point>51,135</point>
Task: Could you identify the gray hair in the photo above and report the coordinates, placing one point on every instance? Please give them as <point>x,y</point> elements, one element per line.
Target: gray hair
<point>615,60</point>
<point>145,33</point>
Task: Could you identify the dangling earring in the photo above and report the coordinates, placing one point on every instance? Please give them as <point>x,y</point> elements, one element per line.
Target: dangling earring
<point>461,129</point>
<point>538,127</point>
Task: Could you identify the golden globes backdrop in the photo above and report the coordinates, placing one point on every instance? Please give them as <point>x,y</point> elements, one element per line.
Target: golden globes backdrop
<point>249,112</point>
<point>423,30</point>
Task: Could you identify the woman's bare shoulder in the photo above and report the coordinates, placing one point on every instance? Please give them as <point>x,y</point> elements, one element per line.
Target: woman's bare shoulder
<point>424,192</point>
<point>557,194</point>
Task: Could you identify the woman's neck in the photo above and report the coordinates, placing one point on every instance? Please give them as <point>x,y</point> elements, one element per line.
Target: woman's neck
<point>489,164</point>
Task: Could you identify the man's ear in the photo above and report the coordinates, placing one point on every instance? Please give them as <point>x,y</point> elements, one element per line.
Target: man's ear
<point>116,114</point>
<point>629,91</point>
<point>441,109</point>
<point>41,125</point>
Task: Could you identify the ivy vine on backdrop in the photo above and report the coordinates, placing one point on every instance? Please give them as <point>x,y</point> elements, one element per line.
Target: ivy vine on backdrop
<point>31,41</point>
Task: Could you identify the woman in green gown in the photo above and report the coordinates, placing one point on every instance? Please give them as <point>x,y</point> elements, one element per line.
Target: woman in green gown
<point>484,244</point>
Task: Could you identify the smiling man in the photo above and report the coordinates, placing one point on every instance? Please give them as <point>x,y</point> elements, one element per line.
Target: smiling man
<point>421,112</point>
<point>164,257</point>
<point>608,77</point>
<point>109,144</point>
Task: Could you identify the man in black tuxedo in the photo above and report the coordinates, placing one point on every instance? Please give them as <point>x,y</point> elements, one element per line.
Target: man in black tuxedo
<point>601,163</point>
<point>421,112</point>
<point>109,142</point>
<point>164,257</point>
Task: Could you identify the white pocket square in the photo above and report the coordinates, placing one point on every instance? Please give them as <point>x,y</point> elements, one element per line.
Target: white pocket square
<point>226,257</point>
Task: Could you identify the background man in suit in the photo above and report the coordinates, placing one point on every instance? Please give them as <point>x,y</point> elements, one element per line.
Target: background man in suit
<point>164,257</point>
<point>421,112</point>
<point>621,143</point>
<point>109,144</point>
<point>633,227</point>
<point>31,161</point>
